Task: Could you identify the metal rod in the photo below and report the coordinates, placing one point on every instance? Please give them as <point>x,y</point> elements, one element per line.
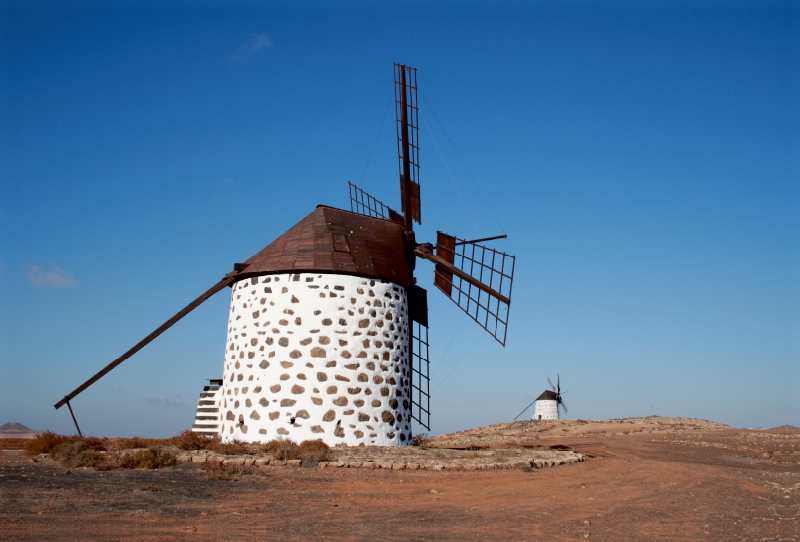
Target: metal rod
<point>460,274</point>
<point>408,223</point>
<point>481,240</point>
<point>228,279</point>
<point>73,418</point>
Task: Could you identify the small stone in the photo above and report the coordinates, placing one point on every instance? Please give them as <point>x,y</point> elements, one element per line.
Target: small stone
<point>339,431</point>
<point>353,391</point>
<point>330,364</point>
<point>331,390</point>
<point>322,377</point>
<point>363,417</point>
<point>363,323</point>
<point>362,377</point>
<point>287,364</point>
<point>303,414</point>
<point>342,378</point>
<point>346,355</point>
<point>301,376</point>
<point>288,402</point>
<point>254,415</point>
<point>378,379</point>
<point>298,321</point>
<point>282,431</point>
<point>264,364</point>
<point>324,340</point>
<point>317,429</point>
<point>283,341</point>
<point>329,416</point>
<point>352,366</point>
<point>318,352</point>
<point>340,401</point>
<point>274,415</point>
<point>393,403</point>
<point>316,400</point>
<point>263,402</point>
<point>297,390</point>
<point>348,412</point>
<point>305,342</point>
<point>359,402</point>
<point>342,342</point>
<point>275,389</point>
<point>359,434</point>
<point>362,355</point>
<point>388,417</point>
<point>327,322</point>
<point>285,377</point>
<point>376,403</point>
<point>385,391</point>
<point>294,299</point>
<point>294,354</point>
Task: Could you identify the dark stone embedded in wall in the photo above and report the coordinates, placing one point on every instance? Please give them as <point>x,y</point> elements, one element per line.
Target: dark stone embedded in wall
<point>329,416</point>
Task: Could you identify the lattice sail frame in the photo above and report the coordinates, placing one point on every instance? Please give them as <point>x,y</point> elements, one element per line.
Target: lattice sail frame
<point>363,203</point>
<point>412,118</point>
<point>420,375</point>
<point>491,267</point>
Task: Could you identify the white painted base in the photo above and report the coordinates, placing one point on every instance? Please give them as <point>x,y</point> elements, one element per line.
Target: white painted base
<point>548,410</point>
<point>317,356</point>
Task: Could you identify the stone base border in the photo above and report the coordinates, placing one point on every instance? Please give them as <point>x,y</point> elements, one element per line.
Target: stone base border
<point>463,464</point>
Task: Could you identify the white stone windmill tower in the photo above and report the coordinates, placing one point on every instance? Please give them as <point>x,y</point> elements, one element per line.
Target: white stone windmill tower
<point>327,333</point>
<point>549,402</point>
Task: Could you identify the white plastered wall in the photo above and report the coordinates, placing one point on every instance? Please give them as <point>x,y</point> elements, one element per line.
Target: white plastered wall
<point>317,356</point>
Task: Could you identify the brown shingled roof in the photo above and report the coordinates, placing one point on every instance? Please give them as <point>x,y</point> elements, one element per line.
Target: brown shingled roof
<point>332,240</point>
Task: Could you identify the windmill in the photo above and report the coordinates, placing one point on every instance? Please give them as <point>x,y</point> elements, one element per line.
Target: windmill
<point>549,403</point>
<point>328,330</point>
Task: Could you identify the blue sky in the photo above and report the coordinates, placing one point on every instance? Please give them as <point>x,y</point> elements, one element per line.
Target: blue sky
<point>643,161</point>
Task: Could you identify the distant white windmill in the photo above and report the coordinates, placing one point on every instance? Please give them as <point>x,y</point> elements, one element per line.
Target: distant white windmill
<point>548,403</point>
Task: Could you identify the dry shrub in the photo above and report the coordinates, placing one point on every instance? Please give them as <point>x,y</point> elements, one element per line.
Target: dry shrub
<point>421,440</point>
<point>230,471</point>
<point>80,452</point>
<point>134,442</point>
<point>314,451</point>
<point>282,449</point>
<point>151,487</point>
<point>189,440</point>
<point>235,447</point>
<point>46,442</point>
<point>152,458</point>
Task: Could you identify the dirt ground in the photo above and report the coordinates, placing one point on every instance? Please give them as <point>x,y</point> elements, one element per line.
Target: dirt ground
<point>643,479</point>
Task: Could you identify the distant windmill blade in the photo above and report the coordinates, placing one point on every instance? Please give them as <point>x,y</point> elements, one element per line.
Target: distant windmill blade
<point>476,278</point>
<point>364,204</point>
<point>561,403</point>
<point>524,409</point>
<point>558,383</point>
<point>551,383</point>
<point>407,114</point>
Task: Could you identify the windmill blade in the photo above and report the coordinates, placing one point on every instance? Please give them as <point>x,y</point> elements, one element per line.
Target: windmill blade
<point>558,383</point>
<point>407,113</point>
<point>476,278</point>
<point>561,403</point>
<point>551,384</point>
<point>364,204</point>
<point>420,375</point>
<point>227,280</point>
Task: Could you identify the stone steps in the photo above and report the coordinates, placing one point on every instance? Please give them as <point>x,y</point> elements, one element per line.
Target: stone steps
<point>207,417</point>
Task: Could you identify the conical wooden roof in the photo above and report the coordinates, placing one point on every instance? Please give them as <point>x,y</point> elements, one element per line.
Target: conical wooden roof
<point>332,240</point>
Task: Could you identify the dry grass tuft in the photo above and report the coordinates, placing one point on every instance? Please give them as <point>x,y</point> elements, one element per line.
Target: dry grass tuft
<point>421,440</point>
<point>134,442</point>
<point>189,440</point>
<point>151,458</point>
<point>235,447</point>
<point>229,471</point>
<point>47,442</point>
<point>310,452</point>
<point>282,449</point>
<point>151,487</point>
